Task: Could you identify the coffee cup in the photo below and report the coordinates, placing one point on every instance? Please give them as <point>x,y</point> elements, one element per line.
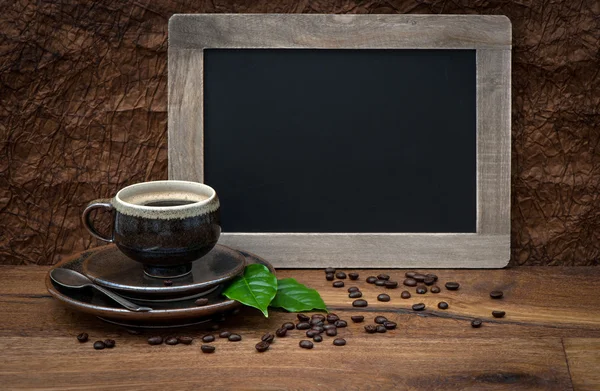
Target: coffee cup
<point>165,225</point>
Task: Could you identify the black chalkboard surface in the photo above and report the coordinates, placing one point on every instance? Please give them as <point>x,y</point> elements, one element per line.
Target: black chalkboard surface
<point>305,140</point>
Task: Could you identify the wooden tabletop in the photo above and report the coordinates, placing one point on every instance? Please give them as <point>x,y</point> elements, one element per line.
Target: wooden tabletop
<point>548,340</point>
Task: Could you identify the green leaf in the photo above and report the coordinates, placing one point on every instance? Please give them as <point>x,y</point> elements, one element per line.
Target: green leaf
<point>255,288</point>
<point>295,297</point>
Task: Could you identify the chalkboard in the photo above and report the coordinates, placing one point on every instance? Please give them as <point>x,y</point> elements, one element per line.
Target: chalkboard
<point>341,140</point>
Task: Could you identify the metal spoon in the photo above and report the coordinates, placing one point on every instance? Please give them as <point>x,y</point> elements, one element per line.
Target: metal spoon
<point>73,279</point>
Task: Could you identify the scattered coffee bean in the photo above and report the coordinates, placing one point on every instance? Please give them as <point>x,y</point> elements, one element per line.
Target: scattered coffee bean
<point>332,318</point>
<point>380,282</point>
<point>410,274</point>
<point>357,318</point>
<point>338,284</point>
<point>303,326</point>
<point>429,281</point>
<point>320,329</point>
<point>318,317</point>
<point>329,326</point>
<point>331,332</point>
<point>110,343</point>
<point>380,319</point>
<point>418,307</point>
<point>201,301</point>
<point>383,297</point>
<point>498,314</point>
<point>443,305</point>
<point>157,340</point>
<point>303,318</point>
<point>83,337</point>
<point>171,341</point>
<point>225,334</point>
<point>330,270</point>
<point>167,282</point>
<point>496,294</point>
<point>330,276</point>
<point>341,323</point>
<point>353,276</point>
<point>207,349</point>
<point>268,337</point>
<point>317,338</point>
<point>391,284</point>
<point>360,303</point>
<point>340,275</point>
<point>452,286</point>
<point>355,295</point>
<point>405,295</point>
<point>421,289</point>
<point>288,325</point>
<point>383,277</point>
<point>420,277</point>
<point>410,282</point>
<point>353,289</point>
<point>281,332</point>
<point>371,328</point>
<point>99,345</point>
<point>185,340</point>
<point>371,279</point>
<point>435,289</point>
<point>208,338</point>
<point>236,337</point>
<point>316,322</point>
<point>339,342</point>
<point>305,344</point>
<point>389,325</point>
<point>435,278</point>
<point>311,333</point>
<point>476,323</point>
<point>262,346</point>
<point>381,329</point>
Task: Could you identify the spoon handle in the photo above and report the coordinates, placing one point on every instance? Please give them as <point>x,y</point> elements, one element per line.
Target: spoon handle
<point>121,300</point>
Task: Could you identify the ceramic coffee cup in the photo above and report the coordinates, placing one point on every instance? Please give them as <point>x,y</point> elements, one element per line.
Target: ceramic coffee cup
<point>165,225</point>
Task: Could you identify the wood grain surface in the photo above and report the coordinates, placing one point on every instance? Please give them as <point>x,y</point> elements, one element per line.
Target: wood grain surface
<point>549,339</point>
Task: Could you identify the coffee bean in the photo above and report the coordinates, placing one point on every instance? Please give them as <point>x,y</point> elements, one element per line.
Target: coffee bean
<point>155,340</point>
<point>316,322</point>
<point>207,349</point>
<point>288,325</point>
<point>418,307</point>
<point>360,303</point>
<point>443,305</point>
<point>329,326</point>
<point>380,319</point>
<point>341,323</point>
<point>421,289</point>
<point>420,277</point>
<point>330,270</point>
<point>110,343</point>
<point>320,329</point>
<point>262,346</point>
<point>225,334</point>
<point>305,344</point>
<point>99,345</point>
<point>405,295</point>
<point>208,338</point>
<point>281,332</point>
<point>383,297</point>
<point>185,340</point>
<point>331,332</point>
<point>496,294</point>
<point>476,323</point>
<point>201,301</point>
<point>133,332</point>
<point>452,286</point>
<point>380,282</point>
<point>410,282</point>
<point>357,318</point>
<point>410,274</point>
<point>498,314</point>
<point>303,318</point>
<point>330,276</point>
<point>383,277</point>
<point>317,338</point>
<point>167,282</point>
<point>311,333</point>
<point>391,284</point>
<point>236,337</point>
<point>431,275</point>
<point>429,281</point>
<point>353,289</point>
<point>338,284</point>
<point>332,318</point>
<point>171,341</point>
<point>340,275</point>
<point>339,342</point>
<point>381,329</point>
<point>435,289</point>
<point>83,337</point>
<point>355,295</point>
<point>268,337</point>
<point>317,317</point>
<point>371,279</point>
<point>371,329</point>
<point>353,276</point>
<point>389,325</point>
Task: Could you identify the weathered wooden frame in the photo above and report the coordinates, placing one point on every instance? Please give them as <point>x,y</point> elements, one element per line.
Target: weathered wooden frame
<point>490,36</point>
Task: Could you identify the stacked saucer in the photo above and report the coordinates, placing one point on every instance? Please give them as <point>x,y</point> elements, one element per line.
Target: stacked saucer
<point>173,302</point>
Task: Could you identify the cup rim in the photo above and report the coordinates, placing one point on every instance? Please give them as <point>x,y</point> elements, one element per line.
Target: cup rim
<point>166,208</point>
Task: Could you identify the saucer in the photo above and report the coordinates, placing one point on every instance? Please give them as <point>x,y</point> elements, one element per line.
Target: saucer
<point>164,314</point>
<point>112,269</point>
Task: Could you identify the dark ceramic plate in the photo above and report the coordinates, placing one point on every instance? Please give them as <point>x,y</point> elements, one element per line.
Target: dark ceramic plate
<point>168,314</point>
<point>112,269</point>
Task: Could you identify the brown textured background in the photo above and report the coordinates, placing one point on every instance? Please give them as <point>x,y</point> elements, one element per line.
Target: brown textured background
<point>83,108</point>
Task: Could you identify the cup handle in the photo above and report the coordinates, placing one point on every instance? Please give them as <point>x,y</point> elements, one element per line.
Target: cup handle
<point>87,222</point>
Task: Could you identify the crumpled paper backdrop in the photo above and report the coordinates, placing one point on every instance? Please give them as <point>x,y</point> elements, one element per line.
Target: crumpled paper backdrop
<point>83,108</point>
